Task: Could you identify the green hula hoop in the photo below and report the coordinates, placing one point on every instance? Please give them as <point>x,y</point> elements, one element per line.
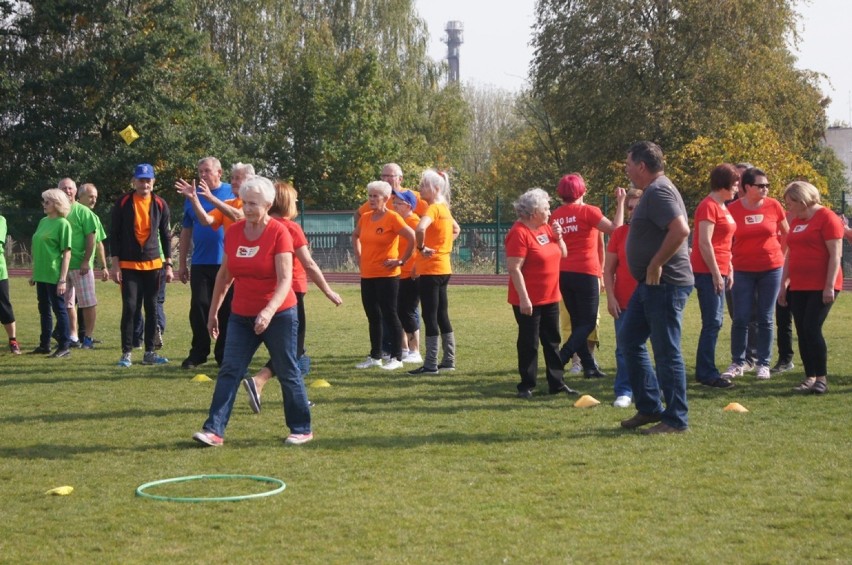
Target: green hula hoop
<point>140,490</point>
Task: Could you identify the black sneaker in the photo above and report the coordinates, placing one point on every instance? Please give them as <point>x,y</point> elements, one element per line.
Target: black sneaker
<point>566,389</point>
<point>525,394</point>
<point>446,367</point>
<point>594,373</point>
<point>424,371</point>
<point>190,363</point>
<point>781,368</point>
<point>40,350</point>
<point>75,344</point>
<point>65,352</point>
<point>718,382</point>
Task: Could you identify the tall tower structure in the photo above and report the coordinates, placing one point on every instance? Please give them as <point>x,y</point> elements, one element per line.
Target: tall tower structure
<point>453,39</point>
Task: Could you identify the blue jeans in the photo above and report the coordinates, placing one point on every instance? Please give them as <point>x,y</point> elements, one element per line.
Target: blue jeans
<point>656,312</point>
<point>51,303</point>
<point>712,306</point>
<point>762,287</point>
<point>240,346</point>
<point>621,387</point>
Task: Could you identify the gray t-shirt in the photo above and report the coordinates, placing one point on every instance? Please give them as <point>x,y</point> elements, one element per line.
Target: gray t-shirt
<point>660,204</point>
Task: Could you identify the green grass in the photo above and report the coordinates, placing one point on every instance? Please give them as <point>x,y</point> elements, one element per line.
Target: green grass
<point>449,469</point>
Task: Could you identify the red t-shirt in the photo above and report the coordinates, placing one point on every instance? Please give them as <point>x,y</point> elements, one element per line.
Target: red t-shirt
<point>581,234</point>
<point>379,242</point>
<point>300,276</point>
<point>808,255</point>
<point>724,227</point>
<point>757,245</point>
<point>541,256</point>
<point>252,264</point>
<point>625,284</point>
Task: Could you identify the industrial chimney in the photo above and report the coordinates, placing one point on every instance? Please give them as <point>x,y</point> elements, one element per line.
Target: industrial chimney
<point>453,39</point>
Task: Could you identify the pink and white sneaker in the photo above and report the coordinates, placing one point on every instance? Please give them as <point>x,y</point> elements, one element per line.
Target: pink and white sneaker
<point>298,439</point>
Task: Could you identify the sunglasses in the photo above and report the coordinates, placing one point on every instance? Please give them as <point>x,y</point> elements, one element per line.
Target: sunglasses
<point>762,185</point>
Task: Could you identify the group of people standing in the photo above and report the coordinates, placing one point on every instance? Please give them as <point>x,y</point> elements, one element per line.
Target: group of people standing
<point>743,242</point>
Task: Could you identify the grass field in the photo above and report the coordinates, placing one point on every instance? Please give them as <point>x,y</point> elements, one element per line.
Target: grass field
<point>449,469</point>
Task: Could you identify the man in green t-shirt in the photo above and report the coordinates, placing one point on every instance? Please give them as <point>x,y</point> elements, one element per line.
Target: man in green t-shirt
<point>7,315</point>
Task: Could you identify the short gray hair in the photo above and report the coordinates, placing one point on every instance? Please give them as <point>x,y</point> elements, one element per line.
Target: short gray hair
<point>382,186</point>
<point>530,202</point>
<point>260,185</point>
<point>247,168</point>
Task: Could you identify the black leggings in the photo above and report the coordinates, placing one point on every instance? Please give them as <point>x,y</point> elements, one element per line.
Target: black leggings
<point>581,293</point>
<point>407,305</point>
<point>139,288</point>
<point>809,313</point>
<point>379,297</point>
<point>433,302</point>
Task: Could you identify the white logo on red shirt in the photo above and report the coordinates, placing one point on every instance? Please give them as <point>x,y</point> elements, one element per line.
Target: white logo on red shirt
<point>800,228</point>
<point>247,252</point>
<point>754,219</point>
<point>542,238</point>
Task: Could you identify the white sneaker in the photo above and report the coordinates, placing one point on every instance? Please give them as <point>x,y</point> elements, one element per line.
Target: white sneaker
<point>392,365</point>
<point>576,367</point>
<point>370,362</point>
<point>386,356</point>
<point>413,357</point>
<point>623,402</point>
<point>762,373</point>
<point>733,371</point>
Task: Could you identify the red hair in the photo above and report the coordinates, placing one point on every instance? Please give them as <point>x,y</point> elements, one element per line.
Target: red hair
<point>571,187</point>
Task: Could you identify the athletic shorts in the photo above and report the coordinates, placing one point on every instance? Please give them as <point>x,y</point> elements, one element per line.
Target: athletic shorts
<point>81,288</point>
<point>7,316</point>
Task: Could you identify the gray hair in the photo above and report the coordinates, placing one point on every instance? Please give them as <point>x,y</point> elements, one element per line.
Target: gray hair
<point>381,186</point>
<point>84,189</point>
<point>530,202</point>
<point>260,185</point>
<point>438,180</point>
<point>213,160</point>
<point>397,170</point>
<point>247,168</point>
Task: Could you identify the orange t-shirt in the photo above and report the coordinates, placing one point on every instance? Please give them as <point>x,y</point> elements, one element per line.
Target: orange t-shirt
<point>541,254</point>
<point>581,234</point>
<point>808,255</point>
<point>412,220</point>
<point>439,236</point>
<point>219,217</point>
<point>142,230</point>
<point>420,209</point>
<point>757,246</point>
<point>724,227</point>
<point>379,242</point>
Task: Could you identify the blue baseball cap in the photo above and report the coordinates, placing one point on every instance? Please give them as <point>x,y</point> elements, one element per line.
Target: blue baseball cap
<point>407,196</point>
<point>143,171</point>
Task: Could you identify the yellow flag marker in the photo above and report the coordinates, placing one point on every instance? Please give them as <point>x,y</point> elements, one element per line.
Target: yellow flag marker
<point>735,407</point>
<point>586,401</point>
<point>129,135</point>
<point>199,378</point>
<point>320,383</point>
<point>61,491</point>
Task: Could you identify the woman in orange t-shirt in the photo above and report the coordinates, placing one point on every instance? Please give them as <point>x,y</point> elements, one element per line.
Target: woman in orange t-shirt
<point>435,234</point>
<point>376,244</point>
<point>812,268</point>
<point>581,270</point>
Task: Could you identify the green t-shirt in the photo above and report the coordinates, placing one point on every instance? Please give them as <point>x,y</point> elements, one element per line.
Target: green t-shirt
<point>52,237</point>
<point>4,274</point>
<point>83,222</point>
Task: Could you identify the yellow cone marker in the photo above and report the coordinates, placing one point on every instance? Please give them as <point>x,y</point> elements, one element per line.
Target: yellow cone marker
<point>735,407</point>
<point>586,401</point>
<point>320,383</point>
<point>129,135</point>
<point>61,491</point>
<point>199,378</point>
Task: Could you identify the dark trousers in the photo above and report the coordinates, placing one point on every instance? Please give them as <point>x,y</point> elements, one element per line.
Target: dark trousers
<point>433,303</point>
<point>138,288</point>
<point>139,322</point>
<point>751,332</point>
<point>50,303</point>
<point>581,293</point>
<point>407,305</point>
<point>300,333</point>
<point>379,297</point>
<point>542,326</point>
<point>809,313</point>
<point>201,282</point>
<point>784,331</point>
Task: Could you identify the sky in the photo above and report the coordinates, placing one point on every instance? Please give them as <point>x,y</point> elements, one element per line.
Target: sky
<point>496,50</point>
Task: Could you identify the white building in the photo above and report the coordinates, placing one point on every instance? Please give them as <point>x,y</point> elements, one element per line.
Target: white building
<point>840,139</point>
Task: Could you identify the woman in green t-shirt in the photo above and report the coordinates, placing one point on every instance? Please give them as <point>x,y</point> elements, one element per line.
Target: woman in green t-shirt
<point>51,256</point>
<point>7,315</point>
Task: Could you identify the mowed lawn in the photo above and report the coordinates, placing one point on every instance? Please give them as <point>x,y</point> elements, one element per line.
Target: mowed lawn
<point>403,469</point>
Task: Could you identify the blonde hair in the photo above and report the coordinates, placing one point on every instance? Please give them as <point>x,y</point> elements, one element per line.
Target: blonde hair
<point>59,199</point>
<point>803,192</point>
<point>440,181</point>
<point>285,201</point>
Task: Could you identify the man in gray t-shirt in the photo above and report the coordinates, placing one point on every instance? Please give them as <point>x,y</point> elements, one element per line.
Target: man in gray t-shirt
<point>658,258</point>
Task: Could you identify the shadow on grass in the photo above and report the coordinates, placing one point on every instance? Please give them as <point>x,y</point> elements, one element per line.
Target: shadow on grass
<point>86,416</point>
<point>120,375</point>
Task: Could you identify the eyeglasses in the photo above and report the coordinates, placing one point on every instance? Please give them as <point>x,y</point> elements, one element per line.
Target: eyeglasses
<point>761,185</point>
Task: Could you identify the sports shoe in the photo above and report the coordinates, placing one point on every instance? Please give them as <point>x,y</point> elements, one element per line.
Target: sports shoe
<point>40,350</point>
<point>763,373</point>
<point>781,368</point>
<point>125,360</point>
<point>190,363</point>
<point>576,367</point>
<point>14,347</point>
<point>369,363</point>
<point>566,389</point>
<point>88,343</point>
<point>423,371</point>
<point>253,396</point>
<point>748,366</point>
<point>593,373</point>
<point>62,352</point>
<point>446,367</point>
<point>733,371</point>
<point>75,344</point>
<point>623,401</point>
<point>151,358</point>
<point>208,438</point>
<point>298,439</point>
<point>413,357</point>
<point>158,339</point>
<point>717,382</point>
<point>386,356</point>
<point>392,365</point>
<point>526,394</point>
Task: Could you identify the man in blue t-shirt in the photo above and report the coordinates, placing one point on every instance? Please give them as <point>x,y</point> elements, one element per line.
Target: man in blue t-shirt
<point>207,247</point>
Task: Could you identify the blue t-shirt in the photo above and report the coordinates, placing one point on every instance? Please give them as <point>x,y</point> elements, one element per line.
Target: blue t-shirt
<point>206,242</point>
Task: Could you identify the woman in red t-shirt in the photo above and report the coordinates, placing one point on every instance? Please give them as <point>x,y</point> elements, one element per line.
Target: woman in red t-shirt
<point>619,285</point>
<point>812,269</point>
<point>258,261</point>
<point>711,263</point>
<point>533,251</point>
<point>581,270</point>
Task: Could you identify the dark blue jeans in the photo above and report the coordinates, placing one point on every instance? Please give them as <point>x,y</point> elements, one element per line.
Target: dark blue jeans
<point>750,288</point>
<point>621,387</point>
<point>712,306</point>
<point>51,303</point>
<point>656,312</point>
<point>242,343</point>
